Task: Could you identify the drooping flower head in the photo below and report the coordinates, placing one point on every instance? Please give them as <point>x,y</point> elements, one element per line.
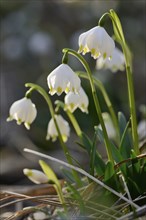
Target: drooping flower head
<point>97,41</point>
<point>36,176</point>
<point>117,62</point>
<point>74,101</point>
<point>23,111</point>
<point>63,127</point>
<point>63,79</point>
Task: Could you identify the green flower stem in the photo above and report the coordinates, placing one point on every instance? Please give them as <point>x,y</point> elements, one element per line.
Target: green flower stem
<point>96,102</point>
<point>74,123</point>
<point>64,147</point>
<point>28,93</point>
<point>100,85</point>
<point>121,40</point>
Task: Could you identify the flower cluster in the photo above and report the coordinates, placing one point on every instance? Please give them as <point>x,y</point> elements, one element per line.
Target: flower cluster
<point>101,46</point>
<point>64,79</point>
<point>122,138</point>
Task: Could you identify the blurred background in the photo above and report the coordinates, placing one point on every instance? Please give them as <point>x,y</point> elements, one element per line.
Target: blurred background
<point>33,34</point>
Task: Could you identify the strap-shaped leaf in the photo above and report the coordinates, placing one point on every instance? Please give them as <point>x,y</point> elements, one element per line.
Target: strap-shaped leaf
<point>117,26</point>
<point>49,172</point>
<point>52,177</point>
<point>109,172</point>
<point>126,142</point>
<point>68,175</point>
<point>99,133</point>
<point>122,123</point>
<point>125,136</point>
<point>98,161</point>
<point>116,153</point>
<point>76,195</point>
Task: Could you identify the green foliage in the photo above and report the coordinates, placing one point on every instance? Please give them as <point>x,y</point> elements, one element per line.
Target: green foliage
<point>49,172</point>
<point>53,178</point>
<point>122,177</point>
<point>125,136</point>
<point>118,31</point>
<point>76,195</point>
<point>98,162</point>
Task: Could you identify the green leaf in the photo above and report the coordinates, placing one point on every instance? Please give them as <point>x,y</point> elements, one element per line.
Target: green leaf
<point>92,156</point>
<point>117,26</point>
<point>122,123</point>
<point>116,153</point>
<point>99,164</point>
<point>109,172</point>
<point>110,177</point>
<point>99,134</point>
<point>86,142</point>
<point>68,175</point>
<point>143,176</point>
<point>133,187</point>
<point>52,177</point>
<point>125,136</point>
<point>98,161</point>
<point>49,172</point>
<point>118,31</point>
<point>135,162</point>
<point>76,195</point>
<point>125,143</point>
<point>118,157</point>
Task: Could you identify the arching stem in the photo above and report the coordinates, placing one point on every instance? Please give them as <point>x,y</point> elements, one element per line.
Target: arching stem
<point>95,98</point>
<point>40,90</point>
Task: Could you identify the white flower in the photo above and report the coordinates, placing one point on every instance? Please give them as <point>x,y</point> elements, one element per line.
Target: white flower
<point>63,127</point>
<point>117,62</point>
<point>63,79</point>
<point>142,129</point>
<point>97,41</point>
<point>23,110</point>
<point>109,125</point>
<point>74,101</point>
<point>40,215</point>
<point>36,176</point>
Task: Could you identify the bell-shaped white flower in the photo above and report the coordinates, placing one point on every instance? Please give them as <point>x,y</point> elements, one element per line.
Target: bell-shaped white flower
<point>109,125</point>
<point>23,110</point>
<point>36,176</point>
<point>63,79</point>
<point>97,41</point>
<point>117,61</point>
<point>63,127</point>
<point>74,101</point>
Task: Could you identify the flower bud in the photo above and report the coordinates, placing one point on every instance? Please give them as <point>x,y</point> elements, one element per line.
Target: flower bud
<point>36,176</point>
